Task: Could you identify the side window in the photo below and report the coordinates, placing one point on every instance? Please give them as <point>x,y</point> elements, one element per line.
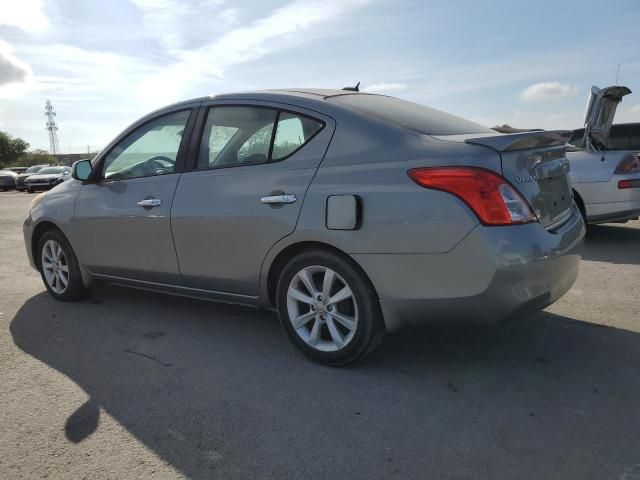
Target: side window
<point>577,138</point>
<point>634,141</point>
<point>256,148</point>
<point>619,137</point>
<point>292,132</point>
<point>150,150</point>
<point>235,136</point>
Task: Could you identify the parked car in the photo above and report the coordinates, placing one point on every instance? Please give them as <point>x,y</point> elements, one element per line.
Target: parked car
<point>27,173</point>
<point>7,179</point>
<point>46,178</point>
<point>605,166</point>
<point>351,214</point>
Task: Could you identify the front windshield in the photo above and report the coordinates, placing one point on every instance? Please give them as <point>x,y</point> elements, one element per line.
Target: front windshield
<point>34,169</point>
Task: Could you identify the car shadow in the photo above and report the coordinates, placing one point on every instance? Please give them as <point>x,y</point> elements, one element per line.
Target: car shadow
<point>613,243</point>
<point>216,390</point>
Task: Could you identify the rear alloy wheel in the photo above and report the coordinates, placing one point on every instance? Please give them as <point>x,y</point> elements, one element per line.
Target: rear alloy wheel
<point>59,267</point>
<point>329,308</point>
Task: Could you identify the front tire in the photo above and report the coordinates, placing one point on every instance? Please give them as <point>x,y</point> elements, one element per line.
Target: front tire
<point>59,267</point>
<point>329,308</point>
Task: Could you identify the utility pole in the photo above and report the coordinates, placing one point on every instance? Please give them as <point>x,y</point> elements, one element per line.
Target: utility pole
<point>52,128</point>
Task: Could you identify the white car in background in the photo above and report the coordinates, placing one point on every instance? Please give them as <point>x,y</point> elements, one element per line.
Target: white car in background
<point>606,179</point>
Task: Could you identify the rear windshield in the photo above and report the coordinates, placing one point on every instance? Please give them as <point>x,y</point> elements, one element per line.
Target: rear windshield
<point>47,170</point>
<point>410,115</point>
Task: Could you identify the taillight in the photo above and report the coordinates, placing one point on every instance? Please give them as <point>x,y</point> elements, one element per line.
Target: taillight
<point>635,183</point>
<point>629,164</point>
<point>491,197</point>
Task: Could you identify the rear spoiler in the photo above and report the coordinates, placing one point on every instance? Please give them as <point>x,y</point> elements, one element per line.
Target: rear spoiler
<point>523,141</point>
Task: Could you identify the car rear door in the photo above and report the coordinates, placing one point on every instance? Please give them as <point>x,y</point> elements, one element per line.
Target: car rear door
<point>249,171</point>
<point>122,224</point>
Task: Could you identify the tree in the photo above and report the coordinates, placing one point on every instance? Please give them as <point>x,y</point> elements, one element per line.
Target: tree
<point>10,149</point>
<point>36,157</point>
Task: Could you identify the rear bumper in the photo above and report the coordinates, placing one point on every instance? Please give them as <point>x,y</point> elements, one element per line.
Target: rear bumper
<point>493,274</point>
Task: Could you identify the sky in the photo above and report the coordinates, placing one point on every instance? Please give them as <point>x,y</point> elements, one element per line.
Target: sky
<point>103,64</point>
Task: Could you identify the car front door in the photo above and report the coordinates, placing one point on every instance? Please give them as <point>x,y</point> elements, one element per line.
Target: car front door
<point>250,170</point>
<point>122,223</point>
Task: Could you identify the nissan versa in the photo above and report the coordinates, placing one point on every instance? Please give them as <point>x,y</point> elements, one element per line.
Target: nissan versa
<point>352,214</point>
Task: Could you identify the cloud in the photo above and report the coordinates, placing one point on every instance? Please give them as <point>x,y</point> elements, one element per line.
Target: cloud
<point>282,28</point>
<point>627,113</point>
<point>546,90</point>
<point>25,14</point>
<point>12,70</point>
<point>180,25</point>
<point>385,87</point>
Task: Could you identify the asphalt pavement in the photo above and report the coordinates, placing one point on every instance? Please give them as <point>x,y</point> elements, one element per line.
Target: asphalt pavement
<point>128,384</point>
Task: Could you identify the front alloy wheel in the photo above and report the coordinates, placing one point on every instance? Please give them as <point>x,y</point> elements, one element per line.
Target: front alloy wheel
<point>55,266</point>
<point>59,267</point>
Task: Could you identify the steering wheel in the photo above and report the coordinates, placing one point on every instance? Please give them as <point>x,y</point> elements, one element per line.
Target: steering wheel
<point>160,164</point>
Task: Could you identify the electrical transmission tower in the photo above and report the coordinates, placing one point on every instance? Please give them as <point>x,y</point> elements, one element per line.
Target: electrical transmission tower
<point>52,128</point>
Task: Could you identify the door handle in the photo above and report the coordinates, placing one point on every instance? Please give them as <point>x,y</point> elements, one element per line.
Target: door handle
<point>150,202</point>
<point>278,199</point>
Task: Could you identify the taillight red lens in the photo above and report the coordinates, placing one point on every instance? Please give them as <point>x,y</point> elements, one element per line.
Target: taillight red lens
<point>635,183</point>
<point>629,164</point>
<point>491,197</point>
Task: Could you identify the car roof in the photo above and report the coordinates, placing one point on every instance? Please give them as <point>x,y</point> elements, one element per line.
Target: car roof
<point>317,94</point>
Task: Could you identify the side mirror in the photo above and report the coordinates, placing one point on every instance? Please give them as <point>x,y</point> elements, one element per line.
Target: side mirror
<point>82,170</point>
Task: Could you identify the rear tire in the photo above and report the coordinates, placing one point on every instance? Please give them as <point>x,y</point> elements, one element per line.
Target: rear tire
<point>329,308</point>
<point>59,267</point>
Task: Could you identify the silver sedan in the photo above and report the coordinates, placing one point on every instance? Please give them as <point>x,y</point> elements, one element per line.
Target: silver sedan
<point>350,214</point>
<point>605,176</point>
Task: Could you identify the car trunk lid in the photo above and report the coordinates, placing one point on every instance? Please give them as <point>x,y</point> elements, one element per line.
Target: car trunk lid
<point>535,163</point>
<point>601,110</point>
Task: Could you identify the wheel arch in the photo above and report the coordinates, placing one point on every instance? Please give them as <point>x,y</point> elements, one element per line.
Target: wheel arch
<point>39,230</point>
<point>282,257</point>
<point>273,270</point>
<point>580,202</point>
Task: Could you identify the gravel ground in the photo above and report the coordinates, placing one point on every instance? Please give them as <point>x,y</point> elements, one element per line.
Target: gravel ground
<point>129,384</point>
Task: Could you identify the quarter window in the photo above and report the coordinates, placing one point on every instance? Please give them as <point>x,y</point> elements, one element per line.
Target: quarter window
<point>150,150</point>
<point>293,131</point>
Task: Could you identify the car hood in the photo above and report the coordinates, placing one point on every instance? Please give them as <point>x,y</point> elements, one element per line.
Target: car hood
<point>599,115</point>
<point>48,176</point>
<point>8,174</point>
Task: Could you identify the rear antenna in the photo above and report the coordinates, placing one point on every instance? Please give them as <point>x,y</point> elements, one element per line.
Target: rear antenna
<point>353,89</point>
<point>617,74</point>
